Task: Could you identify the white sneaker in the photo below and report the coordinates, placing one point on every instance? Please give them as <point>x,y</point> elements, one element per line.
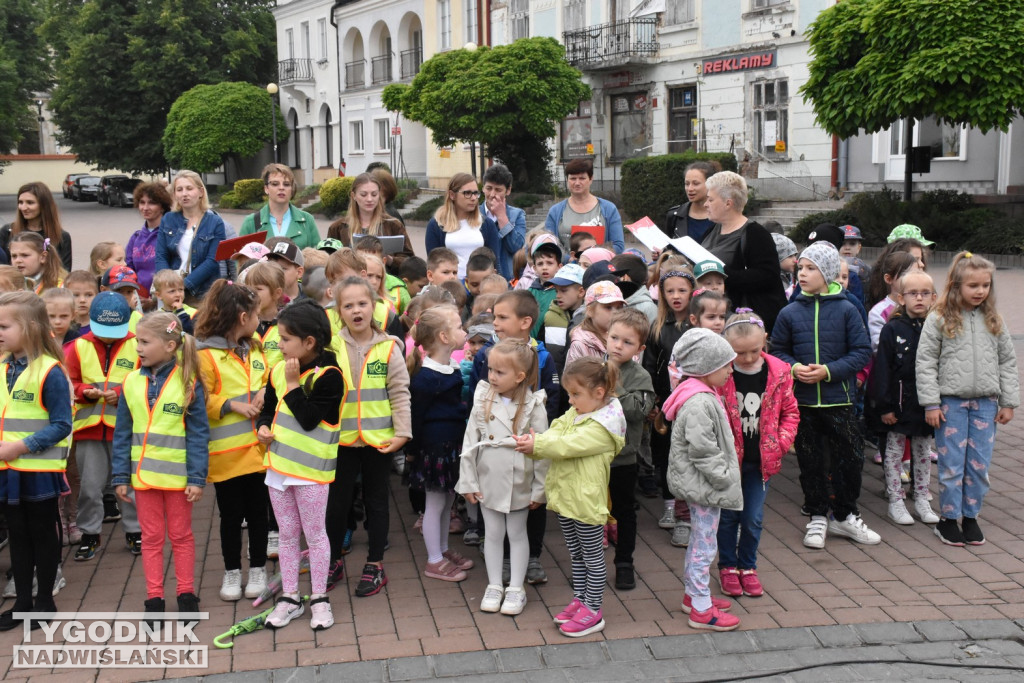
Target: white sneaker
<point>515,601</point>
<point>284,612</point>
<point>272,544</point>
<point>322,617</point>
<point>231,586</point>
<point>681,534</point>
<point>491,601</point>
<point>59,582</point>
<point>854,528</point>
<point>668,519</point>
<point>924,510</point>
<point>257,582</point>
<point>817,528</point>
<point>898,512</point>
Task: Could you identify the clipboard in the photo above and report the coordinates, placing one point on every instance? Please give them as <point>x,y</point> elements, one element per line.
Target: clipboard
<point>653,238</point>
<point>228,248</point>
<point>393,244</point>
<point>595,231</point>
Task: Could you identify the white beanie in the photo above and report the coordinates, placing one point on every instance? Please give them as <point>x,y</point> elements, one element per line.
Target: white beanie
<point>826,258</point>
<point>700,351</point>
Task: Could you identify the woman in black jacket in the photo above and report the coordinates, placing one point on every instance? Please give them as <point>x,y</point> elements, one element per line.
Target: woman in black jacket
<point>691,218</point>
<point>37,212</point>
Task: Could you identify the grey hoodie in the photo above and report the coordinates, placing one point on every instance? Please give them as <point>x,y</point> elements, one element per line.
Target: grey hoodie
<point>641,300</point>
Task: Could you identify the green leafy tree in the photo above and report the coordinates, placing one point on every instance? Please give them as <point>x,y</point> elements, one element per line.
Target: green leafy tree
<point>24,69</point>
<point>213,124</point>
<point>122,65</point>
<point>877,61</point>
<point>510,98</point>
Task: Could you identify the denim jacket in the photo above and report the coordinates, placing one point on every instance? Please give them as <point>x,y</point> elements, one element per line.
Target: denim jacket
<point>197,432</point>
<point>204,267</point>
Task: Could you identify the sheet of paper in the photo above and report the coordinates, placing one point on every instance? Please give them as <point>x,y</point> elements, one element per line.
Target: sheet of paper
<point>694,252</point>
<point>649,234</point>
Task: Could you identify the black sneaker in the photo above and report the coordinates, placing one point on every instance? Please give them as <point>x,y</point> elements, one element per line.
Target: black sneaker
<point>971,531</point>
<point>3,539</point>
<point>188,602</point>
<point>372,582</point>
<point>949,533</point>
<point>648,486</point>
<point>7,620</point>
<point>335,574</point>
<point>625,577</point>
<point>87,549</point>
<point>134,543</point>
<point>111,512</point>
<point>155,606</point>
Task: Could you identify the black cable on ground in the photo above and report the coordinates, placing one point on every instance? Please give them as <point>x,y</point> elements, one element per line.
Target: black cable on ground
<point>852,662</point>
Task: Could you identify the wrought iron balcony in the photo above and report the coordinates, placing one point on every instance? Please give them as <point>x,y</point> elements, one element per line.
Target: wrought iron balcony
<point>380,69</point>
<point>355,75</point>
<point>411,62</point>
<point>294,70</point>
<point>612,45</point>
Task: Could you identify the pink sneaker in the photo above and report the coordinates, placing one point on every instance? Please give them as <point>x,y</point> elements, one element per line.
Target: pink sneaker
<point>729,577</point>
<point>458,560</point>
<point>751,584</point>
<point>713,620</point>
<point>721,604</point>
<point>583,624</point>
<point>569,612</point>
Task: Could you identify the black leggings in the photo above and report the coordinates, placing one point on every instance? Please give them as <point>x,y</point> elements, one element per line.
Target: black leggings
<point>376,470</point>
<point>239,498</point>
<point>34,531</point>
<point>622,488</point>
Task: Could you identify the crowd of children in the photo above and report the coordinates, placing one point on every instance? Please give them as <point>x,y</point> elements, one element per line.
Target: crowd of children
<point>295,388</point>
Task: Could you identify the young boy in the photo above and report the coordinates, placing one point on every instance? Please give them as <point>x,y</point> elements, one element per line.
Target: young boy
<point>60,309</point>
<point>84,286</point>
<point>442,265</point>
<point>710,275</point>
<point>102,357</point>
<point>822,336</point>
<point>313,258</point>
<point>627,333</point>
<point>852,243</point>
<point>395,286</point>
<point>413,273</point>
<point>284,253</point>
<point>786,251</point>
<point>494,283</point>
<point>169,287</point>
<point>546,258</point>
<point>124,281</point>
<point>568,283</point>
<point>632,272</point>
<point>318,288</point>
<point>514,313</point>
<point>478,268</point>
<point>579,243</point>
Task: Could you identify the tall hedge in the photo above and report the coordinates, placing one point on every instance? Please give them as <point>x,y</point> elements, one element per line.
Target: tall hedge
<point>653,185</point>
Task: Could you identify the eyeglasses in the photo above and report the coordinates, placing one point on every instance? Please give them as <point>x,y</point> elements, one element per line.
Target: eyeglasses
<point>918,295</point>
<point>470,194</point>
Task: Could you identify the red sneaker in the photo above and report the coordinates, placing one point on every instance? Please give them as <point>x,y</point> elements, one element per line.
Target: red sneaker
<point>713,620</point>
<point>729,577</point>
<point>721,604</point>
<point>751,584</point>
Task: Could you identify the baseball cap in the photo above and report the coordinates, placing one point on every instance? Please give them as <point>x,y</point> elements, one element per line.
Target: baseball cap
<point>602,270</point>
<point>639,254</point>
<point>547,242</point>
<point>288,252</point>
<point>851,232</point>
<point>569,274</point>
<point>253,250</point>
<point>908,231</point>
<point>705,267</point>
<point>119,277</point>
<point>828,232</point>
<point>330,245</point>
<point>603,292</point>
<point>109,314</point>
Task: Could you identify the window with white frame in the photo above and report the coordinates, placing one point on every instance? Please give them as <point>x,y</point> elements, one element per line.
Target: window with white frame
<point>575,15</point>
<point>472,24</point>
<point>945,140</point>
<point>304,26</point>
<point>771,117</point>
<point>382,128</point>
<point>355,138</point>
<point>289,39</point>
<point>519,13</point>
<point>761,4</point>
<point>321,29</point>
<point>444,23</point>
<point>680,12</point>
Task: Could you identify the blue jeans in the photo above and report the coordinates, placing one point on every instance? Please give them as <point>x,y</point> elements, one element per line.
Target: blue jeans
<point>964,443</point>
<point>748,521</point>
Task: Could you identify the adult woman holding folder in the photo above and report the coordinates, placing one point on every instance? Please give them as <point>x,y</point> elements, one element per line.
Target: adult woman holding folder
<point>366,216</point>
<point>583,208</point>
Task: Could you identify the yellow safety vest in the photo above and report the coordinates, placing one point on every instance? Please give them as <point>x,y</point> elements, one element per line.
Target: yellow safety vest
<point>381,310</point>
<point>239,380</point>
<point>270,342</point>
<point>23,414</point>
<point>123,361</point>
<point>366,407</point>
<point>191,311</point>
<point>38,289</point>
<point>133,321</point>
<point>312,455</point>
<point>158,433</point>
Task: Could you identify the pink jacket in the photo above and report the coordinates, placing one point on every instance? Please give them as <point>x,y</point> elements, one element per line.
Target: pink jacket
<point>779,419</point>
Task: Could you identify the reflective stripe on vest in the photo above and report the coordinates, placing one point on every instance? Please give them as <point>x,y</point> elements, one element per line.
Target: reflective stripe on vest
<point>158,433</point>
<point>240,379</point>
<point>311,455</point>
<point>124,360</point>
<point>366,408</point>
<point>23,414</point>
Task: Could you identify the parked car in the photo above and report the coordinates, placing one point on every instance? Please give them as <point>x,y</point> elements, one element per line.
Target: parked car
<point>69,180</point>
<point>121,192</point>
<point>106,187</point>
<point>85,188</point>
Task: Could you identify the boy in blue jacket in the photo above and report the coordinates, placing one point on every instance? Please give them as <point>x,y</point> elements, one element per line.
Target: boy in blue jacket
<point>822,336</point>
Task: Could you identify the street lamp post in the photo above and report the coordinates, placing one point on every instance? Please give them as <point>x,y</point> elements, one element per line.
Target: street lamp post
<point>272,89</point>
<point>41,119</point>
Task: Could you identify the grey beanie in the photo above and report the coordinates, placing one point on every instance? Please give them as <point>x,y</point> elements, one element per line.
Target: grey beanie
<point>826,257</point>
<point>784,246</point>
<point>699,352</point>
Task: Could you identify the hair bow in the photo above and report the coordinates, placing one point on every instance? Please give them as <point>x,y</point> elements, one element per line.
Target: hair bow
<point>744,310</point>
<point>172,326</point>
<point>968,254</point>
<point>699,291</point>
<point>46,244</point>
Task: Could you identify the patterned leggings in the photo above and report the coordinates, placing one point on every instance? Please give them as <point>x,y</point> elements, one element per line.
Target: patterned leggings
<point>300,510</point>
<point>920,452</point>
<point>700,554</point>
<point>586,550</point>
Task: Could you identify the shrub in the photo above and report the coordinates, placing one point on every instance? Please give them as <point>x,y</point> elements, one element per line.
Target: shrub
<point>249,190</point>
<point>653,185</point>
<point>993,233</point>
<point>426,210</point>
<point>230,200</point>
<point>334,194</point>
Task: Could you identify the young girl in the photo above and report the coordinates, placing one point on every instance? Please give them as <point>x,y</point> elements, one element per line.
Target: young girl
<point>37,212</point>
<point>581,445</point>
<point>504,483</point>
<point>105,255</point>
<point>34,439</point>
<point>703,466</point>
<point>764,417</point>
<point>299,425</point>
<point>890,272</point>
<point>438,422</point>
<point>161,449</point>
<point>234,372</point>
<point>375,420</point>
<point>969,397</point>
<point>377,277</point>
<point>266,278</point>
<point>588,339</point>
<point>709,310</point>
<point>892,388</point>
<point>33,256</point>
<point>84,287</point>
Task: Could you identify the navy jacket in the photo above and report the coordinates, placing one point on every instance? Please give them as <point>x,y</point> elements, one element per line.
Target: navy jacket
<point>548,377</point>
<point>892,387</point>
<point>825,329</point>
<point>208,237</point>
<point>436,237</point>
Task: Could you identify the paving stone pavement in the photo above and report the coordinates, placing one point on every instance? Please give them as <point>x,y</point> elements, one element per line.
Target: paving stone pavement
<point>908,598</point>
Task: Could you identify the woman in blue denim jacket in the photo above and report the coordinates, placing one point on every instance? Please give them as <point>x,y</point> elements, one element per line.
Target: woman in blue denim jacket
<point>191,230</point>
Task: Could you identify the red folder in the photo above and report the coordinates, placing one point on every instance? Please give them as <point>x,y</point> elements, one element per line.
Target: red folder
<point>595,231</point>
<point>229,248</point>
